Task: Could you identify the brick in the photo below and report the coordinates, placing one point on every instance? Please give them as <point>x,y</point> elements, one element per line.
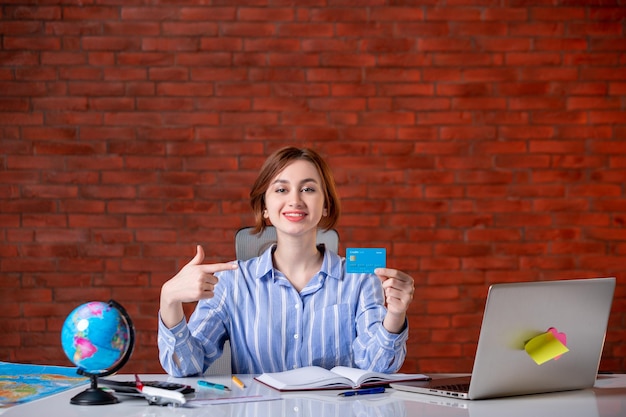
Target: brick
<point>562,117</point>
<point>392,75</point>
<point>271,44</point>
<point>480,28</point>
<point>492,75</point>
<point>62,58</point>
<point>282,74</point>
<point>575,162</point>
<point>609,176</point>
<point>494,235</point>
<point>607,13</point>
<point>219,14</point>
<point>556,147</point>
<point>370,29</point>
<point>439,264</point>
<point>13,42</point>
<point>533,59</point>
<point>591,132</point>
<point>561,44</point>
<point>443,44</point>
<point>575,103</point>
<point>595,29</point>
<point>379,104</point>
<point>339,14</point>
<point>468,59</point>
<point>397,14</point>
<point>603,73</point>
<point>617,162</point>
<point>494,263</point>
<point>505,13</point>
<point>326,104</point>
<point>549,74</point>
<point>19,58</point>
<point>13,104</point>
<point>485,103</point>
<point>388,46</point>
<point>305,30</point>
<point>28,265</point>
<point>263,14</point>
<point>603,117</point>
<point>90,13</point>
<point>322,45</point>
<point>592,59</point>
<point>421,103</point>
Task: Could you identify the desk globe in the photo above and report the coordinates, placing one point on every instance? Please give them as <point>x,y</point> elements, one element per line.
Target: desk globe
<point>98,338</point>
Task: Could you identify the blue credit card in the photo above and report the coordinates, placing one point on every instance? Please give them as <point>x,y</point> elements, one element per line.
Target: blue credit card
<point>365,260</point>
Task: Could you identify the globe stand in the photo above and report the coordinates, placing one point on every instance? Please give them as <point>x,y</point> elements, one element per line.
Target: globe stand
<point>94,395</point>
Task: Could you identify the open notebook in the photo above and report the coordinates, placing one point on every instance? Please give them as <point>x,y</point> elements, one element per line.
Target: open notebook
<point>517,354</point>
<point>318,378</point>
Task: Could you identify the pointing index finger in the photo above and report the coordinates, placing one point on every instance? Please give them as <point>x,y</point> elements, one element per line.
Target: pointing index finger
<point>224,266</point>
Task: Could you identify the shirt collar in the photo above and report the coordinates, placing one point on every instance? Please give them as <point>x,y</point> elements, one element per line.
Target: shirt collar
<point>331,264</point>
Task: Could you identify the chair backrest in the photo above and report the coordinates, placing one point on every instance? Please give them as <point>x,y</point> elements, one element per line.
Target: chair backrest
<point>222,365</point>
<point>248,245</point>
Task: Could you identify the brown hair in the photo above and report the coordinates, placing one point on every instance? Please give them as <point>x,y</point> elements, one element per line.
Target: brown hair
<point>274,164</point>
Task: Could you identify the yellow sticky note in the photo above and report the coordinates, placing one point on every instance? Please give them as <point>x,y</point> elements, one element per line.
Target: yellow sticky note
<point>545,347</point>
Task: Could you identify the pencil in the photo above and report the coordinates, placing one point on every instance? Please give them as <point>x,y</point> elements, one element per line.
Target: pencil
<point>238,382</point>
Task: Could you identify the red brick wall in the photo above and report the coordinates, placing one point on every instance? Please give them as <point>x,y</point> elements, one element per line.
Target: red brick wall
<point>480,141</point>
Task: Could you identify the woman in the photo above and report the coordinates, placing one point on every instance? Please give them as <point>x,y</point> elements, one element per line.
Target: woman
<point>294,305</point>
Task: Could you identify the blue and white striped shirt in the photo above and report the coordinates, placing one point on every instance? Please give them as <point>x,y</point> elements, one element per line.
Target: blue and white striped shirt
<point>335,320</point>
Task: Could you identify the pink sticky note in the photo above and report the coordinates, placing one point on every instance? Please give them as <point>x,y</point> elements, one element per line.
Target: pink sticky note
<point>561,337</point>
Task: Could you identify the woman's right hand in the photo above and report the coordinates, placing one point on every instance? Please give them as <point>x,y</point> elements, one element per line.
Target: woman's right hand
<point>195,281</point>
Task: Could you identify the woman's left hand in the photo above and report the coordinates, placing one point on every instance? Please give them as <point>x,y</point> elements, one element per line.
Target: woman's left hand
<point>399,288</point>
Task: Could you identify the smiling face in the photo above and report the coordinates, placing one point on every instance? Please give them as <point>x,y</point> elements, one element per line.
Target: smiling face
<point>294,201</point>
<point>273,168</point>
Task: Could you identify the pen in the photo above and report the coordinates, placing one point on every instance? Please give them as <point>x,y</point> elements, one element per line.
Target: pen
<point>238,382</point>
<point>366,391</point>
<point>212,385</point>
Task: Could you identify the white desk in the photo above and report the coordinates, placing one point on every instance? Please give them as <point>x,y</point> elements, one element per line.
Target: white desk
<point>606,399</point>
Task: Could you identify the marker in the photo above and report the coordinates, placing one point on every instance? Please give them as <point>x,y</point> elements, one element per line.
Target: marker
<point>208,384</point>
<point>238,382</point>
<point>366,391</point>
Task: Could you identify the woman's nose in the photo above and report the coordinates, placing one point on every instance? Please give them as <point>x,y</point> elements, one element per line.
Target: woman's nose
<point>295,198</point>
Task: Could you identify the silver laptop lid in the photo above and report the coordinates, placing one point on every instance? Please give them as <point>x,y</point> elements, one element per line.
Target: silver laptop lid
<point>517,312</point>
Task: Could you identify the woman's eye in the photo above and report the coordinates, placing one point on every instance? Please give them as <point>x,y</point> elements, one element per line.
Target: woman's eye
<point>280,190</point>
<point>308,189</point>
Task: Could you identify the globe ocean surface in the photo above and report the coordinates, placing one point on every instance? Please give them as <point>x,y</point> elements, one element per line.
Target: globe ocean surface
<point>95,337</point>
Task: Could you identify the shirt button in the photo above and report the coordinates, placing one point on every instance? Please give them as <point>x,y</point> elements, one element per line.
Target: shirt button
<point>295,336</point>
<point>297,306</point>
<point>179,335</point>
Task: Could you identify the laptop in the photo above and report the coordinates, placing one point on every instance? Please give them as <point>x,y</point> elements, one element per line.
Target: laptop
<point>514,314</point>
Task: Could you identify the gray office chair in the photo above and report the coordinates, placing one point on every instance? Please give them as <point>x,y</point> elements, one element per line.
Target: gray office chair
<point>222,365</point>
<point>248,246</point>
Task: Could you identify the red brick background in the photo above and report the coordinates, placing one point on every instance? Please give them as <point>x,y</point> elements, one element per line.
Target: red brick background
<point>480,141</point>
